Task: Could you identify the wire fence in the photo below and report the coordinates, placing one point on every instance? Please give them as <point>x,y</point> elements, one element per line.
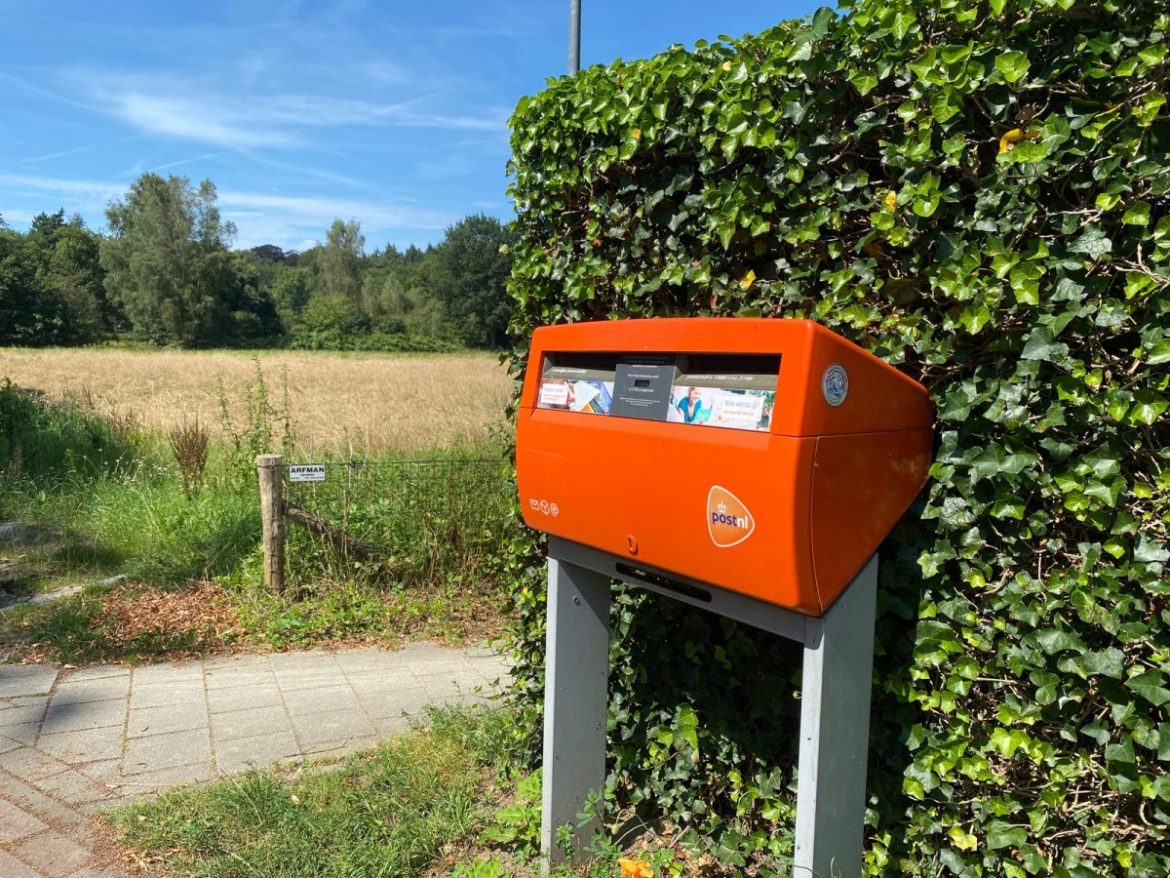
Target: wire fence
<point>408,521</point>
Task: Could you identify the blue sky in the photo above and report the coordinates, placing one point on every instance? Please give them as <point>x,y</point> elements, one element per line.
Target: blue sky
<point>390,113</point>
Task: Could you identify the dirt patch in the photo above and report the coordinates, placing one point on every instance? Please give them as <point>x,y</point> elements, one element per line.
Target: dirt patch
<point>201,612</point>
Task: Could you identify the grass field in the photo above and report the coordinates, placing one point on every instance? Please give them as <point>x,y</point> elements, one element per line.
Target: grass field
<point>347,403</point>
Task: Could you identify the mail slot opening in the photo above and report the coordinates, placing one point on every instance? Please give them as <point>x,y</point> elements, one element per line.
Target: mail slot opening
<point>665,582</point>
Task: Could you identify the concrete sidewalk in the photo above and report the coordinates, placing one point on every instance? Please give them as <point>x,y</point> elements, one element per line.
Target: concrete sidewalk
<point>72,742</point>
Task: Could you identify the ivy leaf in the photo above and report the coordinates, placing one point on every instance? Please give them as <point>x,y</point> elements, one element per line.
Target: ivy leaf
<point>1150,552</point>
<point>1003,835</point>
<point>1159,353</point>
<point>1108,662</point>
<point>1150,686</point>
<point>1137,215</point>
<point>1041,346</point>
<point>1013,65</point>
<point>1093,243</point>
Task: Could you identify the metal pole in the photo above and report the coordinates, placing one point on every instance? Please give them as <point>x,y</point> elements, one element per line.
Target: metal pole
<point>574,37</point>
<point>575,680</point>
<point>834,734</point>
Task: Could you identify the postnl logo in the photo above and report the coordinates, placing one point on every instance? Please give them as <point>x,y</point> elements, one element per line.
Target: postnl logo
<point>728,520</point>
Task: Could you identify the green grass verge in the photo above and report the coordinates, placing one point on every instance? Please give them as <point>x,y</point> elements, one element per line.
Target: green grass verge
<point>386,812</point>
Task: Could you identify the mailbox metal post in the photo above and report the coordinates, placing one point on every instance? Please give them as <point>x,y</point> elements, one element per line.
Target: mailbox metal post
<point>575,698</point>
<point>836,685</point>
<point>835,690</point>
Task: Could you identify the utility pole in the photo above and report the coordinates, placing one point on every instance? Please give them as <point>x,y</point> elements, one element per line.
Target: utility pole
<point>574,37</point>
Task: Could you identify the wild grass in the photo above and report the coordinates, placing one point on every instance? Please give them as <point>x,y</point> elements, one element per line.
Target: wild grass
<point>389,812</point>
<point>171,518</point>
<point>339,403</point>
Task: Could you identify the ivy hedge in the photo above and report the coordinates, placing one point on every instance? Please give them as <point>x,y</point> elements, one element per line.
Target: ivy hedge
<point>977,192</point>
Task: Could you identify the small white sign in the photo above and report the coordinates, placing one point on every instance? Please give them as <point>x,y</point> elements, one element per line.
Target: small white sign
<point>736,410</point>
<point>554,394</point>
<point>306,472</point>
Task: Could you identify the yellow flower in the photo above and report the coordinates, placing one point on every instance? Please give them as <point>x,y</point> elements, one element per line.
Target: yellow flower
<point>748,280</point>
<point>635,868</point>
<point>891,201</point>
<point>1015,136</point>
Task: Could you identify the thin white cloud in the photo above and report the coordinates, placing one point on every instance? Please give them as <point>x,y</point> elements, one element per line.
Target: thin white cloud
<point>322,211</point>
<point>92,189</point>
<point>203,113</point>
<point>192,119</point>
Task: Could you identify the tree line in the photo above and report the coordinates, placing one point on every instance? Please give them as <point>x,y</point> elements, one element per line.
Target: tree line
<point>164,272</point>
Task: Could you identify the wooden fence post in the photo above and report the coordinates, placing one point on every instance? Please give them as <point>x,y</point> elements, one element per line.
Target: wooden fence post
<point>270,469</point>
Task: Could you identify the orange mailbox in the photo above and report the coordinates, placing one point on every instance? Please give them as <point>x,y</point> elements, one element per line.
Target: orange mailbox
<point>765,457</point>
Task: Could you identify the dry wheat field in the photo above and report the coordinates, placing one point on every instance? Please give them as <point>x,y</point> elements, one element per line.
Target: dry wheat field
<point>341,403</point>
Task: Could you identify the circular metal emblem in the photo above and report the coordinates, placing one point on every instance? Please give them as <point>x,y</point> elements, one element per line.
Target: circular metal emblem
<point>835,385</point>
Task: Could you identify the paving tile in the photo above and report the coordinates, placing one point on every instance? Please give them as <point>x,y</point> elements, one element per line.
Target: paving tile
<point>8,744</point>
<point>309,701</point>
<point>16,823</point>
<point>10,867</point>
<point>101,689</point>
<point>22,793</point>
<point>148,782</point>
<point>310,660</point>
<point>317,728</point>
<point>98,672</point>
<point>32,765</point>
<point>75,788</point>
<point>249,722</point>
<point>146,721</point>
<point>91,745</point>
<point>294,681</point>
<point>72,717</point>
<point>390,704</point>
<point>385,679</point>
<point>166,751</point>
<point>26,735</point>
<point>23,710</point>
<point>153,675</point>
<point>232,679</point>
<point>356,660</point>
<point>107,771</point>
<point>241,697</point>
<point>242,662</point>
<point>53,854</point>
<point>27,680</point>
<point>159,694</point>
<point>258,751</point>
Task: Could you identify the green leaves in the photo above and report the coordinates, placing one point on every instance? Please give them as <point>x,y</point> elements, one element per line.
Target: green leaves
<point>1013,65</point>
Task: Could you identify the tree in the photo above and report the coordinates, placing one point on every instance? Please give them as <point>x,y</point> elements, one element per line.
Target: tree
<point>68,266</point>
<point>167,260</point>
<point>341,259</point>
<point>468,275</point>
<point>27,315</point>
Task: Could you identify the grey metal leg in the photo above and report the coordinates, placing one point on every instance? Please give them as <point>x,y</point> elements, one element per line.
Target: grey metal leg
<point>834,733</point>
<point>576,674</point>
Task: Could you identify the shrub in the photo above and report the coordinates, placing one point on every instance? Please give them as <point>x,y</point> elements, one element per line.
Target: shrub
<point>43,440</point>
<point>978,194</point>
